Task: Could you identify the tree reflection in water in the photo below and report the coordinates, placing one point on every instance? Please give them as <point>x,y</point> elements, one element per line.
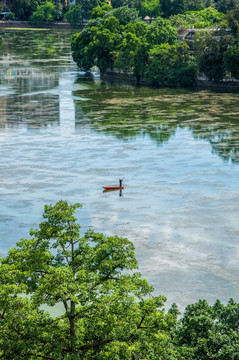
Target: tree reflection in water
<point>130,111</point>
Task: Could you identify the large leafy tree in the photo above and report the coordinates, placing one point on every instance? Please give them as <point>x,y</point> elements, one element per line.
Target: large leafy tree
<point>24,8</point>
<point>209,52</point>
<point>150,8</point>
<point>136,4</point>
<point>233,21</point>
<point>226,5</point>
<point>210,332</point>
<point>231,60</point>
<point>161,31</point>
<point>105,40</point>
<point>200,19</point>
<point>124,15</point>
<point>171,65</point>
<point>172,7</point>
<point>82,10</point>
<point>108,312</point>
<point>44,13</point>
<point>127,49</point>
<point>194,5</point>
<point>81,49</point>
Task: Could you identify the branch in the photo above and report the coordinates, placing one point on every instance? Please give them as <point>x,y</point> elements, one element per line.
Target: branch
<point>65,305</point>
<point>2,314</point>
<point>138,327</point>
<point>42,356</point>
<point>107,277</point>
<point>96,343</point>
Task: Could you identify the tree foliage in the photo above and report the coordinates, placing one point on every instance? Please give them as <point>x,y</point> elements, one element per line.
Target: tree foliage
<point>44,13</point>
<point>171,65</point>
<point>151,8</point>
<point>23,9</point>
<point>231,60</point>
<point>209,51</point>
<point>226,5</point>
<point>210,332</point>
<point>172,7</point>
<point>134,48</point>
<point>108,313</point>
<point>199,19</point>
<point>124,15</point>
<point>233,21</point>
<point>37,11</point>
<point>82,10</point>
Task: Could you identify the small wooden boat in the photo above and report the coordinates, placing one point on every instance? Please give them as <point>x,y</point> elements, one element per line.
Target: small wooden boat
<point>113,187</point>
<point>116,187</point>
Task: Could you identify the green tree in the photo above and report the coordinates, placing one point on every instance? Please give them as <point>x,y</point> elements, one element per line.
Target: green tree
<point>161,31</point>
<point>150,8</point>
<point>24,8</point>
<point>194,5</point>
<point>233,21</point>
<point>105,40</point>
<point>82,50</point>
<point>100,11</point>
<point>209,52</point>
<point>82,10</point>
<point>226,5</point>
<point>172,7</point>
<point>75,15</point>
<point>200,19</point>
<point>124,14</point>
<point>44,13</point>
<point>135,4</point>
<point>141,59</point>
<point>186,20</point>
<point>210,332</point>
<point>127,49</point>
<point>231,60</point>
<point>108,313</point>
<point>171,65</point>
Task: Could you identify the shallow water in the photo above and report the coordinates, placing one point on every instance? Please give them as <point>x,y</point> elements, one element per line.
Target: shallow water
<point>63,136</point>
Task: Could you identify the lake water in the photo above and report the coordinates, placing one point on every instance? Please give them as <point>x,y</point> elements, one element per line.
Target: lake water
<point>63,136</point>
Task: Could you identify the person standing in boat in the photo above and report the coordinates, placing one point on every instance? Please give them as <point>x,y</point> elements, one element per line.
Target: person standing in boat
<point>120,182</point>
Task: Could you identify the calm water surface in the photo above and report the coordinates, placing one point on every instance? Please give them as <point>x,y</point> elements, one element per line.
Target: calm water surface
<point>63,136</point>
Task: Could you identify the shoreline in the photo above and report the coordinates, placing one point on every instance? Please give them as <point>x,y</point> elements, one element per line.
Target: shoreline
<point>29,25</point>
<point>229,85</point>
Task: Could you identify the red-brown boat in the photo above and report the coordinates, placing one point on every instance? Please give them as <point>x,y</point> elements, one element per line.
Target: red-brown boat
<point>116,187</point>
<point>113,187</point>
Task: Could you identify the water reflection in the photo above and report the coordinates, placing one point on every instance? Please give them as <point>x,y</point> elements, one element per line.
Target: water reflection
<point>127,112</point>
<point>114,190</point>
<point>30,64</point>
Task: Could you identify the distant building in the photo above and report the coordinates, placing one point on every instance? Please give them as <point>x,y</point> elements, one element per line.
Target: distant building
<point>185,34</point>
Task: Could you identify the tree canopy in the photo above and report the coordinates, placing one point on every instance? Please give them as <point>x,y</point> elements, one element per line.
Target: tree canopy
<point>146,50</point>
<point>109,312</point>
<point>209,52</point>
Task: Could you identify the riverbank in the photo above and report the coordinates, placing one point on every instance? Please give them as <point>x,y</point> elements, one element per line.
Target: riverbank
<point>227,84</point>
<point>30,25</point>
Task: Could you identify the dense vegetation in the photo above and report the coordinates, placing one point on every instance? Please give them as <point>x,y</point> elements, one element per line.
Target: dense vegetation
<point>186,11</point>
<point>108,310</point>
<point>118,39</point>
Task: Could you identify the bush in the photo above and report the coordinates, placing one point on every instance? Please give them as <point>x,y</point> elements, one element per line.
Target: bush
<point>44,13</point>
<point>10,16</point>
<point>171,65</point>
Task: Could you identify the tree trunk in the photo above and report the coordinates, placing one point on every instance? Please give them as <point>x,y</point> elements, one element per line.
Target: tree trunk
<point>72,327</point>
